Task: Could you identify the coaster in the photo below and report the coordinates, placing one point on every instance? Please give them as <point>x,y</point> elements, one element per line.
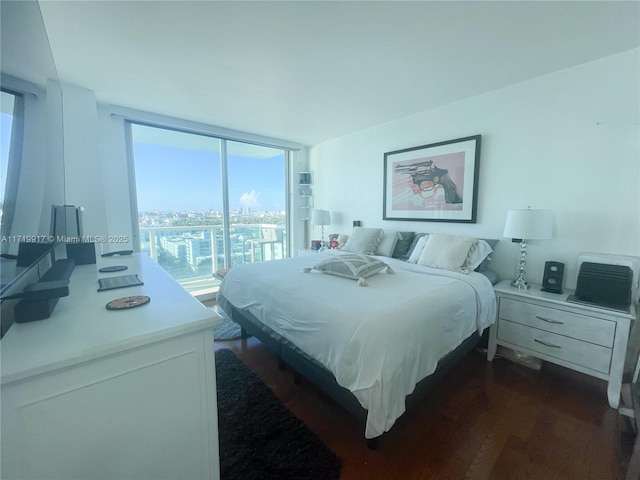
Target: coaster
<point>115,268</point>
<point>127,302</point>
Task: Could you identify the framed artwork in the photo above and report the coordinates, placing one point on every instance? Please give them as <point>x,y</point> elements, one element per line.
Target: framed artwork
<point>433,183</point>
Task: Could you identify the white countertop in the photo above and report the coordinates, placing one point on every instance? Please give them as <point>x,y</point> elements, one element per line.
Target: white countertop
<point>81,328</point>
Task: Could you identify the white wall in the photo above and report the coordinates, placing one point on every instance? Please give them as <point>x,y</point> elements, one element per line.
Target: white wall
<point>568,141</point>
<point>84,185</point>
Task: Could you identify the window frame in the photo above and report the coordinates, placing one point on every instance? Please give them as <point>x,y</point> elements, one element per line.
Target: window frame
<point>14,161</point>
<point>223,135</point>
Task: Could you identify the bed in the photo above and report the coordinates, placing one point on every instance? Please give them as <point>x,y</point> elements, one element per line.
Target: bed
<point>365,342</point>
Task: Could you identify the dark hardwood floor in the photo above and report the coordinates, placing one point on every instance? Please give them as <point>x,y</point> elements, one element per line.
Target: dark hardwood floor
<point>496,420</point>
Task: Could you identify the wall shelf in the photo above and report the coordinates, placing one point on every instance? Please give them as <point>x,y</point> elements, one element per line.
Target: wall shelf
<point>305,194</point>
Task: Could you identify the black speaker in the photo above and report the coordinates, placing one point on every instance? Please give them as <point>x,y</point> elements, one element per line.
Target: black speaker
<point>553,274</point>
<point>46,290</point>
<point>32,310</point>
<point>29,252</point>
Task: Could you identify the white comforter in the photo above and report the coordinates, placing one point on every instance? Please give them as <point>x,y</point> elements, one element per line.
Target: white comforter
<point>378,340</point>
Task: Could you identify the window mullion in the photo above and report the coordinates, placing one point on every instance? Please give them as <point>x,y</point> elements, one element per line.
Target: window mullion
<point>224,171</point>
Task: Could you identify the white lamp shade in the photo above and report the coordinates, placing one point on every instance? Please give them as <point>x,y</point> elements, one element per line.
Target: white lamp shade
<point>528,224</point>
<point>321,217</point>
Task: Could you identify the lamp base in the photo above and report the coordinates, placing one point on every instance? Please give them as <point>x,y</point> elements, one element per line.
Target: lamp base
<point>323,246</point>
<point>520,284</point>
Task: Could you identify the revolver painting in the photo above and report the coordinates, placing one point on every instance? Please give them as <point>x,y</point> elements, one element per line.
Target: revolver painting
<point>426,176</point>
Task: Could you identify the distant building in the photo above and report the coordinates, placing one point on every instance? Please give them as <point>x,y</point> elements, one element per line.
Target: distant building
<point>192,249</point>
<point>175,246</point>
<point>198,247</point>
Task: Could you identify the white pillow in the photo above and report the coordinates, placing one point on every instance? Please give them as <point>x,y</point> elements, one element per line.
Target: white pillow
<point>477,254</point>
<point>417,250</point>
<point>363,240</point>
<point>447,252</point>
<point>388,243</point>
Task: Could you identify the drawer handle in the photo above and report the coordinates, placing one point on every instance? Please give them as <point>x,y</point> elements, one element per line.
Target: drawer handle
<point>548,320</point>
<point>546,344</point>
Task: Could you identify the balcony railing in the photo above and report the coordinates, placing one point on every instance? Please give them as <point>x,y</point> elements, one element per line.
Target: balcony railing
<point>193,254</point>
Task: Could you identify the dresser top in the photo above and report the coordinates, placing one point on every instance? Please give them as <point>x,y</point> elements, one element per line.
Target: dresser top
<point>81,328</point>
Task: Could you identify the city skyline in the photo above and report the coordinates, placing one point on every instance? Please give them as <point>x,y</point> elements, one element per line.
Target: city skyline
<point>214,217</point>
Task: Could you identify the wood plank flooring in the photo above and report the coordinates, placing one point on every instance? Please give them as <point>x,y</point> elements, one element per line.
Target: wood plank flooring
<point>487,420</point>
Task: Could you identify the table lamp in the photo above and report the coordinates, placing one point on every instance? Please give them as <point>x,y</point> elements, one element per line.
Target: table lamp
<point>522,225</point>
<point>322,218</point>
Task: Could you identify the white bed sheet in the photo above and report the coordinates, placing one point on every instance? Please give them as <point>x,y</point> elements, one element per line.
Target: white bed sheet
<point>378,340</point>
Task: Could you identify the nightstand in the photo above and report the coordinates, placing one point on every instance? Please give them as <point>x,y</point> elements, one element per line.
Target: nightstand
<point>587,339</point>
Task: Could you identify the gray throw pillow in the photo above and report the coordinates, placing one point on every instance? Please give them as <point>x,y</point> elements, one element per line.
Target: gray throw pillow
<point>351,266</point>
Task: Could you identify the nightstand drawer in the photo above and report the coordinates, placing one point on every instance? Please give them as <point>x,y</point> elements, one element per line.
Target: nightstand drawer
<point>562,322</point>
<point>564,348</point>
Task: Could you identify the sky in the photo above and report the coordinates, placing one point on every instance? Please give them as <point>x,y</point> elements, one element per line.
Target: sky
<point>173,178</point>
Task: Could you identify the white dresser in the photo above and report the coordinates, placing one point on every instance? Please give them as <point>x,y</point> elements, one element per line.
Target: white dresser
<point>94,393</point>
<point>544,325</point>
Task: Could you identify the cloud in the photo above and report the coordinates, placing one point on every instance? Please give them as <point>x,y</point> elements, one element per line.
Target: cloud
<point>250,200</point>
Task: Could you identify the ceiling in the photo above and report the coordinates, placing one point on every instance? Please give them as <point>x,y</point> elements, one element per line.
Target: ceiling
<point>309,71</point>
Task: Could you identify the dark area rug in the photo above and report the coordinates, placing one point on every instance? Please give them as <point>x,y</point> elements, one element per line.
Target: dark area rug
<point>259,436</point>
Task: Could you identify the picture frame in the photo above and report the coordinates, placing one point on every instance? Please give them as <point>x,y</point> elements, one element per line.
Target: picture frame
<point>433,183</point>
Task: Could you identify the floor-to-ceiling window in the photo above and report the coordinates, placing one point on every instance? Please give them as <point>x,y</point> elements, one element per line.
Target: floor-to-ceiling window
<point>207,203</point>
